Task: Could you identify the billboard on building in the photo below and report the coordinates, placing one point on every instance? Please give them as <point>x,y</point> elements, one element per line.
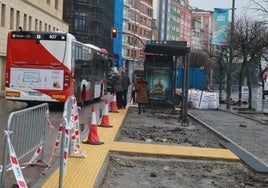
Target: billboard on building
<point>221,26</point>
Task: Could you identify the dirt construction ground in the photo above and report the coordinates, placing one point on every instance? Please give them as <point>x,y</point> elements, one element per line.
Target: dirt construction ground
<point>154,126</point>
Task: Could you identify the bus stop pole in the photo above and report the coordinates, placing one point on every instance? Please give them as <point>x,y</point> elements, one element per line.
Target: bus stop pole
<point>184,109</point>
<point>174,95</point>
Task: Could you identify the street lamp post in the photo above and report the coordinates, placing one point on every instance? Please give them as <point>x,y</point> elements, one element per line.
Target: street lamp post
<point>229,77</point>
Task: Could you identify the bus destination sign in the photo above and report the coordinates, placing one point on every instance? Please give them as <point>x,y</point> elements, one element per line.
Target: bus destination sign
<point>38,35</point>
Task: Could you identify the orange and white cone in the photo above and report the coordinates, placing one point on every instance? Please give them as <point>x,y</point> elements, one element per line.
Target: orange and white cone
<point>114,104</point>
<point>93,137</point>
<point>105,117</point>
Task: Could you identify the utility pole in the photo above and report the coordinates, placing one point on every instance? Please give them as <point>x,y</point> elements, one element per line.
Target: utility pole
<point>229,77</point>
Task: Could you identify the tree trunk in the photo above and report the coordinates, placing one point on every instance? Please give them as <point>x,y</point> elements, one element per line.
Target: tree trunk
<point>221,78</point>
<point>262,72</point>
<point>240,83</point>
<point>249,88</point>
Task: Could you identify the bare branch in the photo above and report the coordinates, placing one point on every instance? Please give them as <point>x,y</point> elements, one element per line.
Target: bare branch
<point>260,5</point>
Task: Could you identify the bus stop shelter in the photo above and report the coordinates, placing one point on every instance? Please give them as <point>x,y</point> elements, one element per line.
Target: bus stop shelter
<point>160,66</point>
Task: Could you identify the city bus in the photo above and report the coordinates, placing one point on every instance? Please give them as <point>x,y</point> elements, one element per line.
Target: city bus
<point>51,66</point>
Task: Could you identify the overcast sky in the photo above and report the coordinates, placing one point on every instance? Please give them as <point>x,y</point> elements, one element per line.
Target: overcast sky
<point>240,5</point>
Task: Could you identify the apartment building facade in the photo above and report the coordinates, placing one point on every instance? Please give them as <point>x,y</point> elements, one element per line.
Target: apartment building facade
<point>136,29</point>
<point>174,20</point>
<point>197,34</point>
<point>169,19</point>
<point>35,15</point>
<point>202,22</point>
<point>90,21</point>
<point>186,22</point>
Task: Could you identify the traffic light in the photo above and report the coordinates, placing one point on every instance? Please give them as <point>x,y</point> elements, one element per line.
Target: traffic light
<point>114,33</point>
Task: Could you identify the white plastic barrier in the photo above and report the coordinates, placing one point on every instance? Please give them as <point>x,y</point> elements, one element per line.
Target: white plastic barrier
<point>203,100</point>
<point>195,97</point>
<point>213,100</point>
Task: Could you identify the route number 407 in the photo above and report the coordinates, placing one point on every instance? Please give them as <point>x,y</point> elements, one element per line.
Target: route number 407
<point>52,36</point>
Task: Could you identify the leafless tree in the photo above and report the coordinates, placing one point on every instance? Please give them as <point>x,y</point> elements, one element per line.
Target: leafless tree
<point>260,6</point>
<point>250,41</point>
<point>200,59</point>
<point>220,56</point>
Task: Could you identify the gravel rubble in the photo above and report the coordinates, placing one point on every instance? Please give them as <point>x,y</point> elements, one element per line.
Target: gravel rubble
<point>160,127</point>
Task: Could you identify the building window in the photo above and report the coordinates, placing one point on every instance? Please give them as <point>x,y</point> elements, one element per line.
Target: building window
<point>145,21</point>
<point>18,19</point>
<point>56,4</point>
<point>48,2</point>
<point>80,21</point>
<point>3,15</point>
<point>25,21</point>
<point>30,22</point>
<point>40,25</point>
<point>128,53</point>
<point>36,25</point>
<point>12,18</point>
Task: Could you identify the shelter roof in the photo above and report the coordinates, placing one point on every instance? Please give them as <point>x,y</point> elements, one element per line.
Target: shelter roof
<point>169,48</point>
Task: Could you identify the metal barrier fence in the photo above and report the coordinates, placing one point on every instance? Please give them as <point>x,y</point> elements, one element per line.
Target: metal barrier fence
<point>70,128</point>
<point>234,88</point>
<point>27,127</point>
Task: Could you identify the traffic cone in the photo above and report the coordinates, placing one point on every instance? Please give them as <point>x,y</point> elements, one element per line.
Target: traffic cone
<point>114,104</point>
<point>93,137</point>
<point>105,117</point>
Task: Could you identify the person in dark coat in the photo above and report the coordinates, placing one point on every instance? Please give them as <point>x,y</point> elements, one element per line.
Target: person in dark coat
<point>142,91</point>
<point>118,88</point>
<point>125,83</point>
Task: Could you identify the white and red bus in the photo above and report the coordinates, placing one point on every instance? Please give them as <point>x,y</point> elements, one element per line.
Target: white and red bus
<point>51,66</point>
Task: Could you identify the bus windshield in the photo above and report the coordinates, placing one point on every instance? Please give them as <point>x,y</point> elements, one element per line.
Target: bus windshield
<point>29,49</point>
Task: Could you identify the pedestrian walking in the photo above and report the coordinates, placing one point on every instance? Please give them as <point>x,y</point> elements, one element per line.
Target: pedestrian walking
<point>118,89</point>
<point>142,91</point>
<point>125,83</point>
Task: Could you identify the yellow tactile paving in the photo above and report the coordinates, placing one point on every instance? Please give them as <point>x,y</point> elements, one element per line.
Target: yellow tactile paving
<point>83,172</point>
<point>181,151</point>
